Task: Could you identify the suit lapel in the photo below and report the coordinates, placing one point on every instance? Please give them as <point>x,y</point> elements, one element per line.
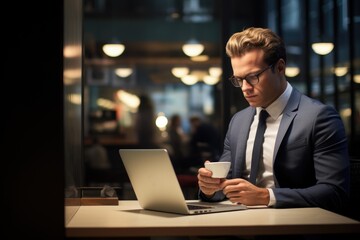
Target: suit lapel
<point>289,113</point>
<point>246,120</point>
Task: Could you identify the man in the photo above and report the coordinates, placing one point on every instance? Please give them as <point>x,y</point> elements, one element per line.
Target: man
<point>304,161</point>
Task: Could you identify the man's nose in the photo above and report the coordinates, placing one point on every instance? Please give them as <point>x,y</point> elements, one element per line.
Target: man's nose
<point>245,85</point>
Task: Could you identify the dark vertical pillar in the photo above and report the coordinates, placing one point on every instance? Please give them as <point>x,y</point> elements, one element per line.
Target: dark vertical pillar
<point>322,65</point>
<point>335,55</point>
<point>279,18</point>
<point>307,47</point>
<point>353,144</point>
<point>225,96</point>
<point>32,120</point>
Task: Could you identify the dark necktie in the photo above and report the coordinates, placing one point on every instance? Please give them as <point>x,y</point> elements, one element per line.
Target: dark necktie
<point>258,146</point>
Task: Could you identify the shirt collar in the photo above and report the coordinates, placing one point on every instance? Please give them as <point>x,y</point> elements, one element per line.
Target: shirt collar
<point>277,107</point>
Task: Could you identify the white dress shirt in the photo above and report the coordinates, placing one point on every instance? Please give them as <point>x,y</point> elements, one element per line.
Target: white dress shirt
<point>265,176</point>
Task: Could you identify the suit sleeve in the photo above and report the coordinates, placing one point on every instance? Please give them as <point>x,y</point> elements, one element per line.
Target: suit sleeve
<point>323,165</point>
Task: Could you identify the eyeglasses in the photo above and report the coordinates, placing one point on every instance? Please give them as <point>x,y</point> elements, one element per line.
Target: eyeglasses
<point>251,79</point>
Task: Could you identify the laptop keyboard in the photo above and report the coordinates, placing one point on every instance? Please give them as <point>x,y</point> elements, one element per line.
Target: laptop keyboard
<point>194,207</point>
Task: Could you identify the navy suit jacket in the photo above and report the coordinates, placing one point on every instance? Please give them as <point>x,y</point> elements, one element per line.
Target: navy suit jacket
<point>311,161</point>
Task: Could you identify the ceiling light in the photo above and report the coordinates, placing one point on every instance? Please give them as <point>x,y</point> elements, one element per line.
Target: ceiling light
<point>179,72</point>
<point>189,79</point>
<point>72,73</point>
<point>72,51</point>
<point>113,49</point>
<point>346,112</point>
<point>193,48</point>
<point>340,71</point>
<point>161,121</point>
<point>357,78</point>
<point>128,99</point>
<point>123,72</point>
<point>215,71</point>
<point>210,80</point>
<point>322,48</point>
<point>292,71</point>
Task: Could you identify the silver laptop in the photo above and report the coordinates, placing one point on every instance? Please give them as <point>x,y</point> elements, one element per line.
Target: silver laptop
<point>156,186</point>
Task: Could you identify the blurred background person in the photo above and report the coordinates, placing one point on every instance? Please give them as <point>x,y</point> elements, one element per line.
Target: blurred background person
<point>147,132</point>
<point>205,142</point>
<point>178,141</point>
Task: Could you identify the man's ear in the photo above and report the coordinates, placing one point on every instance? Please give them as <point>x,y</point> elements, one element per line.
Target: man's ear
<point>280,66</point>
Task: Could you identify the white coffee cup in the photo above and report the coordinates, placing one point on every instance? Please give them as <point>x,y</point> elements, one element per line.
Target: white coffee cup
<point>218,169</point>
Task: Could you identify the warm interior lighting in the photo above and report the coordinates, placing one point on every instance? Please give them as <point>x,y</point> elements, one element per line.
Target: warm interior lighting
<point>72,51</point>
<point>357,78</point>
<point>340,71</point>
<point>161,121</point>
<point>215,71</point>
<point>72,73</point>
<point>210,80</point>
<point>113,49</point>
<point>189,79</point>
<point>200,58</point>
<point>74,98</point>
<point>199,73</point>
<point>346,112</point>
<point>123,72</point>
<point>128,99</point>
<point>292,71</point>
<point>105,103</point>
<point>193,48</point>
<point>322,48</point>
<point>179,72</point>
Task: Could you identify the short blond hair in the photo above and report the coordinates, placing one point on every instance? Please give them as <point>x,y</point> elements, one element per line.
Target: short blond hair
<point>257,38</point>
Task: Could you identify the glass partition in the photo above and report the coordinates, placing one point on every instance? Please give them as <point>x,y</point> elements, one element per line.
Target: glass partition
<point>149,95</point>
<point>354,30</point>
<point>72,105</point>
<point>325,76</point>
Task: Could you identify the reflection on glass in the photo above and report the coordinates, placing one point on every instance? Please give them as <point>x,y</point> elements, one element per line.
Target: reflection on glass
<point>72,78</point>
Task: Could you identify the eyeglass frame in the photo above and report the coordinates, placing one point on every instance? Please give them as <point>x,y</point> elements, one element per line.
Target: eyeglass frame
<point>238,81</point>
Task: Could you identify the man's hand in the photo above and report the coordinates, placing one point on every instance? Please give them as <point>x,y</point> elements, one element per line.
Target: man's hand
<point>207,184</point>
<point>239,190</point>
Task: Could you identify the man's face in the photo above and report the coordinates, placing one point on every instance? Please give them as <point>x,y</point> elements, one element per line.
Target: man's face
<point>271,84</point>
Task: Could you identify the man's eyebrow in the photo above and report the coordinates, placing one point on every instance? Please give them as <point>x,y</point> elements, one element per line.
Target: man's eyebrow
<point>251,73</point>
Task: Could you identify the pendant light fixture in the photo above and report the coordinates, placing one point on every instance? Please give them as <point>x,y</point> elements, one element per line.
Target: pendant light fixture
<point>123,72</point>
<point>189,79</point>
<point>322,47</point>
<point>292,70</point>
<point>113,49</point>
<point>180,72</point>
<point>357,78</point>
<point>193,48</point>
<point>340,71</point>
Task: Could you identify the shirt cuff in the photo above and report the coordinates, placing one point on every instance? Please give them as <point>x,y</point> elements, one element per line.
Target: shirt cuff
<point>272,199</point>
